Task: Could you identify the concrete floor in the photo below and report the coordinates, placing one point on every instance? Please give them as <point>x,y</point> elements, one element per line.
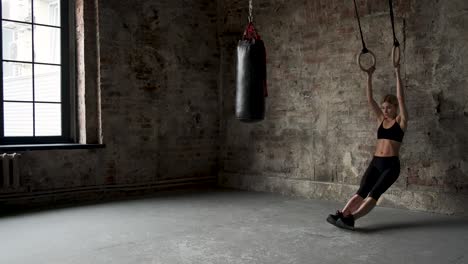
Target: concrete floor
<point>227,227</point>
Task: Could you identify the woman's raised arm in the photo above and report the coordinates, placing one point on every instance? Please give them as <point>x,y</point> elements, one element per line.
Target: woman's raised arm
<point>403,116</point>
<point>370,99</point>
<point>401,99</point>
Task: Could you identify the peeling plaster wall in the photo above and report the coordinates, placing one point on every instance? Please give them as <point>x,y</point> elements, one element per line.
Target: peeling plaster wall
<point>319,134</point>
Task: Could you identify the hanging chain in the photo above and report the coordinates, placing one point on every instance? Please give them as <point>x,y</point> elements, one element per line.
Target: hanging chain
<point>250,11</point>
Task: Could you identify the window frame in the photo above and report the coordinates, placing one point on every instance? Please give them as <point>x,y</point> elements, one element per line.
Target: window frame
<point>67,81</point>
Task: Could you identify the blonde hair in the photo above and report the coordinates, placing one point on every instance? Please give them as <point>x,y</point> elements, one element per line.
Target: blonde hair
<point>390,98</point>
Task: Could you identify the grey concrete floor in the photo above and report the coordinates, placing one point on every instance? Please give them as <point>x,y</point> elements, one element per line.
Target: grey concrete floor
<point>221,226</point>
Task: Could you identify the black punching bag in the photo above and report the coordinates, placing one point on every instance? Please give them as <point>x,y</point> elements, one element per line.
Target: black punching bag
<point>251,87</point>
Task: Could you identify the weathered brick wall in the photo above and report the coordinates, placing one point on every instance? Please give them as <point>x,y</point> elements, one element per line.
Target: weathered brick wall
<point>167,83</point>
<point>319,134</point>
<point>159,89</point>
<point>159,64</point>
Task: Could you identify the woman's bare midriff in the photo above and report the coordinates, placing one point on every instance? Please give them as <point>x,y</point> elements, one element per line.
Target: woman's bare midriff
<point>387,148</point>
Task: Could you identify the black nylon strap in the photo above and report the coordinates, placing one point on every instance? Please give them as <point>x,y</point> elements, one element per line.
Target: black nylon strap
<point>364,49</point>
<point>392,19</point>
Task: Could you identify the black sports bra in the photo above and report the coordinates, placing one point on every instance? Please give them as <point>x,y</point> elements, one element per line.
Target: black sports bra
<point>393,133</point>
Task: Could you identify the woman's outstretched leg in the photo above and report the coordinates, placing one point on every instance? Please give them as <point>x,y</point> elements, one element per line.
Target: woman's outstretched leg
<point>367,183</point>
<point>352,205</point>
<point>347,221</point>
<point>368,204</point>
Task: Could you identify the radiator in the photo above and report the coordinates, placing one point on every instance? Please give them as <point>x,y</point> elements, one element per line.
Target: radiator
<point>9,173</point>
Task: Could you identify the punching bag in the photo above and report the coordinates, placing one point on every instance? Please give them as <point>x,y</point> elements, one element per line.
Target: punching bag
<point>251,87</point>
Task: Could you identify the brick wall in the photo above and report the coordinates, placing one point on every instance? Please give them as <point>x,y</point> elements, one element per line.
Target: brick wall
<point>167,71</point>
<point>319,134</point>
<point>158,76</point>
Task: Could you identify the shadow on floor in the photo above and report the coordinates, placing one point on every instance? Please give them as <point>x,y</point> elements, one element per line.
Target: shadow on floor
<point>421,224</point>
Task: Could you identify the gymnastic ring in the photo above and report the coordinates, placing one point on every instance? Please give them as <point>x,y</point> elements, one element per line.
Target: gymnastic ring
<point>359,60</point>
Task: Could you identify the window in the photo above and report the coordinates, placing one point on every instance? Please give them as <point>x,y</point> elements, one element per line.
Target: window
<point>35,89</point>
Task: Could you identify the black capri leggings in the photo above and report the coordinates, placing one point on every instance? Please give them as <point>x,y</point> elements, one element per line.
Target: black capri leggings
<point>379,176</point>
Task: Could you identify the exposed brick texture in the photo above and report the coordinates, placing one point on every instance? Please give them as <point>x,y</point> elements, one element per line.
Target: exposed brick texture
<point>167,72</point>
<point>319,133</point>
<point>159,64</point>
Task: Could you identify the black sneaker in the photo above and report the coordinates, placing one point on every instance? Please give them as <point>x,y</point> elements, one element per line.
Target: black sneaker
<point>332,218</point>
<point>346,222</point>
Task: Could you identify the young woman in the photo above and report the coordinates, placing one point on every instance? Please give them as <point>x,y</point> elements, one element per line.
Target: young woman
<point>384,168</point>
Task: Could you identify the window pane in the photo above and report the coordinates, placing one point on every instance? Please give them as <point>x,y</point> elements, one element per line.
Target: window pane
<point>47,44</point>
<point>48,119</point>
<point>17,10</point>
<point>18,119</point>
<point>47,83</point>
<point>17,81</point>
<point>47,12</point>
<point>17,41</point>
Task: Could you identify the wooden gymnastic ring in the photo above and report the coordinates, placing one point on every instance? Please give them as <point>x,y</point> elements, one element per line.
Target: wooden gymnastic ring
<point>360,64</point>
